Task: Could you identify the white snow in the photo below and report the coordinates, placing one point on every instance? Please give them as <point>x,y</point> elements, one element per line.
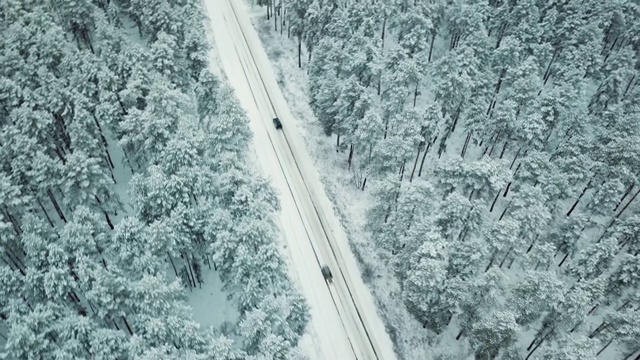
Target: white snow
<point>210,304</point>
<point>312,233</point>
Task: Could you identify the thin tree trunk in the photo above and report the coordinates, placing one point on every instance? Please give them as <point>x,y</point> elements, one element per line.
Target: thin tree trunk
<point>281,11</point>
<point>493,204</point>
<point>466,144</point>
<point>299,51</point>
<point>505,257</point>
<point>103,139</point>
<point>15,264</point>
<point>573,207</point>
<point>455,119</point>
<point>14,222</point>
<point>190,272</point>
<point>535,348</point>
<point>268,9</point>
<point>515,157</point>
<point>433,37</point>
<point>627,205</point>
<point>275,18</point>
<point>603,325</point>
<point>415,163</point>
<point>364,183</point>
<point>604,348</point>
<point>106,215</point>
<point>56,206</point>
<point>564,259</point>
<point>188,278</point>
<point>629,85</point>
<point>173,264</point>
<point>623,197</point>
<point>504,211</point>
<point>126,323</point>
<point>503,72</point>
<point>45,212</point>
<point>547,72</point>
<point>384,28</point>
<point>424,156</point>
<point>350,155</point>
<point>504,148</point>
<point>493,257</point>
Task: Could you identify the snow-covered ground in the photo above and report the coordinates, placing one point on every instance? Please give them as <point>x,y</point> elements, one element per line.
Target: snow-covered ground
<point>344,322</point>
<point>210,303</point>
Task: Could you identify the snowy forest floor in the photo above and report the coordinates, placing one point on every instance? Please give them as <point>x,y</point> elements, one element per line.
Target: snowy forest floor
<point>351,203</point>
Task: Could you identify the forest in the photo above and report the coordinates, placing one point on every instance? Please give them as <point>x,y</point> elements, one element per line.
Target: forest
<point>499,144</point>
<point>124,177</point>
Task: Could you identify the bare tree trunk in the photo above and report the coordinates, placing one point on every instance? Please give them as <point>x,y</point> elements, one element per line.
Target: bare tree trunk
<point>504,211</point>
<point>515,157</point>
<point>535,348</point>
<point>268,9</point>
<point>547,72</point>
<point>106,215</point>
<point>56,206</point>
<point>126,323</point>
<point>504,148</point>
<point>190,272</point>
<point>173,264</point>
<point>384,28</point>
<point>455,119</point>
<point>300,51</point>
<point>433,37</point>
<point>564,258</point>
<point>629,85</point>
<point>281,10</point>
<point>505,257</point>
<point>604,347</point>
<point>503,72</point>
<point>573,207</point>
<point>493,204</point>
<point>45,212</point>
<point>627,205</point>
<point>603,325</point>
<point>466,145</point>
<point>275,18</point>
<point>424,156</point>
<point>415,164</point>
<point>493,257</point>
<point>623,197</point>
<point>350,155</point>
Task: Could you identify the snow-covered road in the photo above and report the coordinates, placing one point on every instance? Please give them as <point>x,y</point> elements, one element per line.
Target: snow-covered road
<point>344,322</point>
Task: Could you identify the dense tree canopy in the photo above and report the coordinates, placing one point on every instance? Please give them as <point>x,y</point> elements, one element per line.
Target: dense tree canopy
<point>92,264</point>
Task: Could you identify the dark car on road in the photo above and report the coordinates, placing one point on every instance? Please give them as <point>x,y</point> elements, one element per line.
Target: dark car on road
<point>326,272</point>
<point>277,123</point>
